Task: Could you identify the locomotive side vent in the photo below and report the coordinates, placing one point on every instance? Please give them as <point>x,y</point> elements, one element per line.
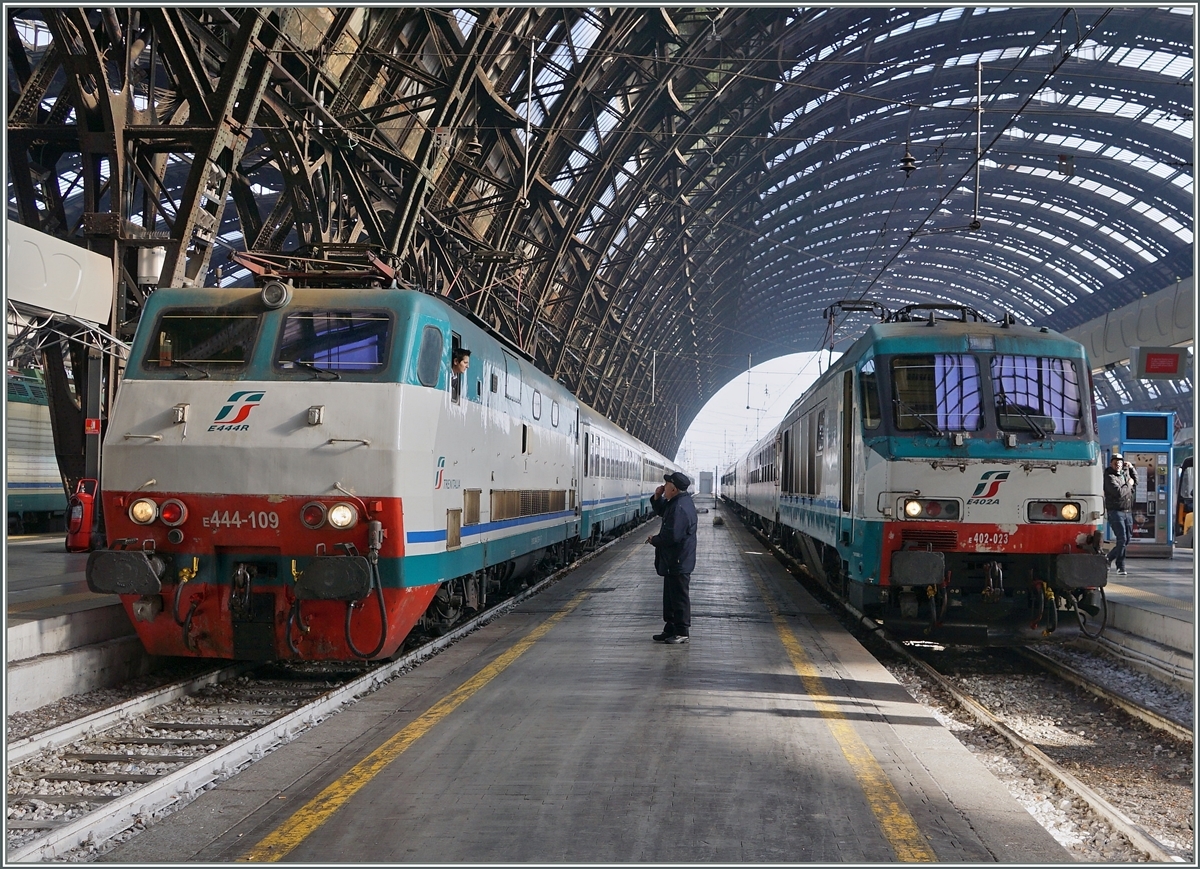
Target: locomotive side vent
<point>939,541</point>
<point>514,503</point>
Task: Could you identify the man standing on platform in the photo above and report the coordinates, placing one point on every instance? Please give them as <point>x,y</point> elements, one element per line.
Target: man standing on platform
<point>675,554</point>
<point>1118,501</point>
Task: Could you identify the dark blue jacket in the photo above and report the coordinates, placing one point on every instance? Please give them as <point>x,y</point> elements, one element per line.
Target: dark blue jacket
<point>675,542</point>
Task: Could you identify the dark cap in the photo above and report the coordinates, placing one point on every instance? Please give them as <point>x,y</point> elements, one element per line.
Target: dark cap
<point>678,479</point>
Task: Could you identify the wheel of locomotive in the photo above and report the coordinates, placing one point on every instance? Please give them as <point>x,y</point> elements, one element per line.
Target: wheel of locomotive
<point>446,608</point>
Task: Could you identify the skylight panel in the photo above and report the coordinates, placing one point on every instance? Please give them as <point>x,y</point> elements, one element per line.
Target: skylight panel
<point>583,36</point>
<point>466,20</point>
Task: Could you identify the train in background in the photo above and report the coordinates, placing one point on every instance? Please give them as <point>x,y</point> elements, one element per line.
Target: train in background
<point>300,474</point>
<point>943,476</point>
<point>36,497</point>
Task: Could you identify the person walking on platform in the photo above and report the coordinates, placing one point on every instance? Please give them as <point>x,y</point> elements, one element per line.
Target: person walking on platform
<point>675,554</point>
<point>1118,501</point>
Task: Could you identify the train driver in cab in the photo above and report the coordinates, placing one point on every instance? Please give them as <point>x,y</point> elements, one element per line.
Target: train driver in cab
<point>460,361</point>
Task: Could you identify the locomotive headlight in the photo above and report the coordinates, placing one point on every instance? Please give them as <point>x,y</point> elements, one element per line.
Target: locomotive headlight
<point>173,513</point>
<point>143,511</point>
<point>342,516</point>
<point>276,294</point>
<point>941,510</point>
<point>1053,511</point>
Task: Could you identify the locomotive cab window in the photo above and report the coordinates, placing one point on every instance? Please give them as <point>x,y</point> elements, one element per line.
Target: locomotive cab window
<point>870,395</point>
<point>1037,394</point>
<point>329,343</point>
<point>202,343</point>
<point>429,357</point>
<point>457,378</point>
<point>936,393</point>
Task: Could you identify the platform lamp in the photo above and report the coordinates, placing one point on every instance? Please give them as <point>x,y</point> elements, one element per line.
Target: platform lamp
<point>474,148</point>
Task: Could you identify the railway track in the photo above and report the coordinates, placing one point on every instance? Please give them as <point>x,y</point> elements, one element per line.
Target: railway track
<point>1009,727</point>
<point>87,781</point>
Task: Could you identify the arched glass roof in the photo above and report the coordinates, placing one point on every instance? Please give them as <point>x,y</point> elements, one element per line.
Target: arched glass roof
<point>630,195</point>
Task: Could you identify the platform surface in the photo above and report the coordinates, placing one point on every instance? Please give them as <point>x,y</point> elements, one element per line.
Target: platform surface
<point>561,733</point>
<point>42,580</point>
<point>1163,585</point>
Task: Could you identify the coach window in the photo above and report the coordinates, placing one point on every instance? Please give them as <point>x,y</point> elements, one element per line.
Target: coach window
<point>537,405</point>
<point>554,414</point>
<point>870,395</point>
<point>429,356</point>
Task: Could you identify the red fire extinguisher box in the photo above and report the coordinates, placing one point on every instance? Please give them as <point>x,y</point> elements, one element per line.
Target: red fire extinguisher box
<point>81,514</point>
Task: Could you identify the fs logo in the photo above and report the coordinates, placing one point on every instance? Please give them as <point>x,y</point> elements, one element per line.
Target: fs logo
<point>441,469</point>
<point>989,486</point>
<point>233,416</point>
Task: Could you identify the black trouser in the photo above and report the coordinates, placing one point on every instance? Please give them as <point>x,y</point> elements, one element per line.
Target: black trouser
<point>677,603</point>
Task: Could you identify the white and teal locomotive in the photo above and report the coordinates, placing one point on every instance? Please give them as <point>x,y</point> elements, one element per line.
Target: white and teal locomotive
<point>300,473</point>
<point>943,476</point>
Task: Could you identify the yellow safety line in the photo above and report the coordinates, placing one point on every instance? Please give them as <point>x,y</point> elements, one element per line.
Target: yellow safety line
<point>321,808</point>
<point>1150,596</point>
<point>897,824</point>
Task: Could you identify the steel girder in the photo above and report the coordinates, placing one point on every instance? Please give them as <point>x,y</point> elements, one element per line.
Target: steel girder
<point>637,198</point>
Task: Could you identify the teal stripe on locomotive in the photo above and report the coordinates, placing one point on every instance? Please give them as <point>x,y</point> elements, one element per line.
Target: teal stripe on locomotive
<point>1077,449</point>
<point>823,521</point>
<point>408,571</point>
<point>435,567</point>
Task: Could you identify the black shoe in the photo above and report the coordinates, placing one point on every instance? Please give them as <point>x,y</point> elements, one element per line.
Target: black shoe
<point>663,637</point>
<point>676,639</point>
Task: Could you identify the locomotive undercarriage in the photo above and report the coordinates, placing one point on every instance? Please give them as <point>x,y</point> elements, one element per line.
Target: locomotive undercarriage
<point>980,598</point>
<point>989,599</point>
<point>170,594</point>
<point>258,596</point>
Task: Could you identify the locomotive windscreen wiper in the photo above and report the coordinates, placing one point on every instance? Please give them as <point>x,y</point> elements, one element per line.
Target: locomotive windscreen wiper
<point>319,371</point>
<point>203,371</point>
<point>924,420</point>
<point>1005,407</point>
